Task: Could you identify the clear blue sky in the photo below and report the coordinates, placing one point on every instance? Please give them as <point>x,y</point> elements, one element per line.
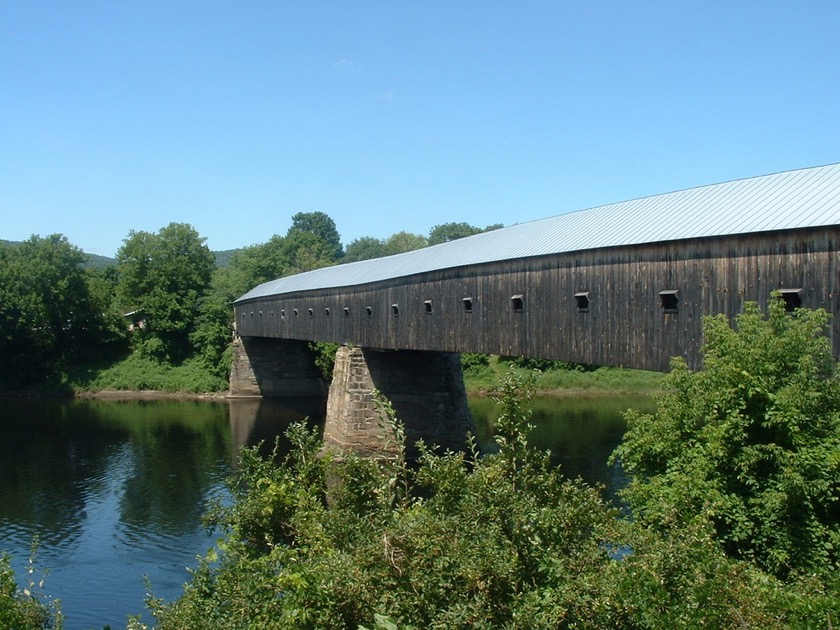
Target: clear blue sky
<point>390,116</point>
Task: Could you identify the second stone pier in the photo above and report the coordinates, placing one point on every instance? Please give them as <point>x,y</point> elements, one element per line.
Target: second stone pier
<point>425,390</point>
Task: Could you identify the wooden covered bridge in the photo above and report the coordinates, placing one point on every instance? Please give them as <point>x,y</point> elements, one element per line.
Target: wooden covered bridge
<point>625,284</point>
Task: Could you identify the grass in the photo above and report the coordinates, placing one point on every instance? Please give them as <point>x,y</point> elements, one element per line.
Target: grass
<point>482,374</point>
<point>136,373</point>
<point>560,379</point>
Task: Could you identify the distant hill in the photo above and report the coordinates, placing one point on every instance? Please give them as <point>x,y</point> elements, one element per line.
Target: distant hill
<point>95,261</point>
<point>223,257</point>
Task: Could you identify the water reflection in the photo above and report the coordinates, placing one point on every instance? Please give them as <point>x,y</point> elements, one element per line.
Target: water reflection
<point>115,490</point>
<point>261,420</point>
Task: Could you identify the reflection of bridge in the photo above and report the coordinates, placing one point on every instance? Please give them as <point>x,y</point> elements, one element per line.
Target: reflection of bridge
<point>623,284</point>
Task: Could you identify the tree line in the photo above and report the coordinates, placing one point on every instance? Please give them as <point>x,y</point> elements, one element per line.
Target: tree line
<point>58,313</point>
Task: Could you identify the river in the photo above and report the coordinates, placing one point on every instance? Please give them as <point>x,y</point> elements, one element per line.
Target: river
<point>113,491</point>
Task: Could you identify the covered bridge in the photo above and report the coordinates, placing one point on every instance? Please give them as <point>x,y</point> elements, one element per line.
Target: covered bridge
<point>624,284</point>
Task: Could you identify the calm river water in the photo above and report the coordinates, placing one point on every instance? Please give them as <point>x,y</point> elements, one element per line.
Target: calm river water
<point>114,490</point>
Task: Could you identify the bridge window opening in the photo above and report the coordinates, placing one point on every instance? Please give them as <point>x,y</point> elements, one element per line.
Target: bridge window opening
<point>327,311</point>
<point>282,313</point>
<point>243,315</point>
<point>271,313</point>
<point>295,312</point>
<point>518,303</point>
<point>311,312</point>
<point>395,310</point>
<point>669,301</point>
<point>427,305</point>
<point>468,305</point>
<point>260,313</point>
<point>582,301</point>
<point>369,310</point>
<point>346,311</point>
<point>792,298</point>
<point>252,313</point>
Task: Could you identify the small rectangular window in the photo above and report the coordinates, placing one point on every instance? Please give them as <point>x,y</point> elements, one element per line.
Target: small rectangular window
<point>582,301</point>
<point>792,298</point>
<point>346,311</point>
<point>395,310</point>
<point>428,306</point>
<point>369,310</point>
<point>468,305</point>
<point>311,312</point>
<point>282,313</point>
<point>295,312</point>
<point>668,300</point>
<point>518,303</point>
<point>327,311</point>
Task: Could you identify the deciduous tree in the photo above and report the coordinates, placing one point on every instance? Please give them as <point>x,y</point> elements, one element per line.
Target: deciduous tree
<point>165,275</point>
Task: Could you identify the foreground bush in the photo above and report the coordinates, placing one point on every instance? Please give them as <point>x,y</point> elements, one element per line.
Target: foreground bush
<point>461,541</point>
<point>23,609</point>
<point>749,446</point>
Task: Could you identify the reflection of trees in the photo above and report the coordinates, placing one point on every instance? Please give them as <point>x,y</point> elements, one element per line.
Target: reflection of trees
<point>57,457</point>
<point>261,420</point>
<point>50,452</point>
<point>176,448</point>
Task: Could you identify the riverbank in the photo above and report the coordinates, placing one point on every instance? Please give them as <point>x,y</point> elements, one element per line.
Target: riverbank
<point>136,377</point>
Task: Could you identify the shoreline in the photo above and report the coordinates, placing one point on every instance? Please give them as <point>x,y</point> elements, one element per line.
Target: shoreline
<point>116,394</point>
<point>152,394</point>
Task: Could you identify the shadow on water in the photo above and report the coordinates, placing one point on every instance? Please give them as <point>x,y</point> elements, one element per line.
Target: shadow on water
<point>262,420</point>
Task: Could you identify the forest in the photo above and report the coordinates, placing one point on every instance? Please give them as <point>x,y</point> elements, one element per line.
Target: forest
<point>160,316</point>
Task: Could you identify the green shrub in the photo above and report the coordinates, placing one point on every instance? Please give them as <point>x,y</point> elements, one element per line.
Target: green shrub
<point>25,609</point>
<point>462,540</point>
<point>749,444</point>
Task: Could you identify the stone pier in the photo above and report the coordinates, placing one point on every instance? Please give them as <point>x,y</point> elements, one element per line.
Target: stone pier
<point>425,390</point>
<point>275,368</point>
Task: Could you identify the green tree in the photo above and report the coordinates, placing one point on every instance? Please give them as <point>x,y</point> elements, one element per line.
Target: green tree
<point>364,248</point>
<point>25,609</point>
<point>322,226</point>
<point>165,275</point>
<point>451,231</point>
<point>402,242</point>
<point>51,312</point>
<point>750,443</point>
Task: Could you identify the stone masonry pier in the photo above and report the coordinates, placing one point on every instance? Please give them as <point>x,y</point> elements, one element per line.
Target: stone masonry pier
<point>424,389</point>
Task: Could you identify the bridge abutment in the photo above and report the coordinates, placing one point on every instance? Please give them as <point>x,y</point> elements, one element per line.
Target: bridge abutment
<point>425,390</point>
<point>275,368</point>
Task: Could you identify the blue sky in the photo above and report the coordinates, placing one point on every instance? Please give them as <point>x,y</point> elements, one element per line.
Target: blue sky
<point>391,116</point>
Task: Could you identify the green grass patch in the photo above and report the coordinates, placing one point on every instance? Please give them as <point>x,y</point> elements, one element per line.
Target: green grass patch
<point>138,373</point>
<point>560,378</point>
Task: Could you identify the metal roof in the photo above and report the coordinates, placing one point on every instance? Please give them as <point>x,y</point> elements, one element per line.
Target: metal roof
<point>803,198</point>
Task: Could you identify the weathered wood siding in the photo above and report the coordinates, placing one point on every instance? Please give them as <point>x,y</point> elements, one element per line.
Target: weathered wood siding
<point>625,323</point>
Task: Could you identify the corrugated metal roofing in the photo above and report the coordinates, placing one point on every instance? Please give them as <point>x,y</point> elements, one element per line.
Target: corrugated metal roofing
<point>793,199</point>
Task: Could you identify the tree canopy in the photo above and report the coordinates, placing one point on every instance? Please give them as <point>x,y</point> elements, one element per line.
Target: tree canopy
<point>52,311</point>
<point>164,275</point>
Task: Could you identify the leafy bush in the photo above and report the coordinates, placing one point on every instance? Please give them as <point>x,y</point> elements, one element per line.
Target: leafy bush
<point>460,540</point>
<point>25,609</point>
<point>750,444</point>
